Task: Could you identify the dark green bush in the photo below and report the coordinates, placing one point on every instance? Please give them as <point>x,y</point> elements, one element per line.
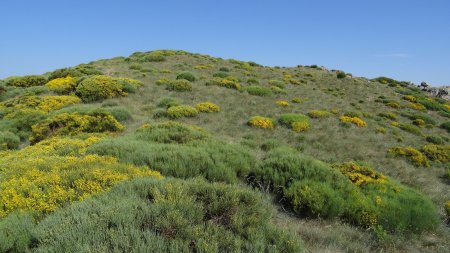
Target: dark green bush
<point>341,74</point>
<point>258,90</point>
<point>27,81</point>
<point>179,85</point>
<point>224,69</point>
<point>435,139</point>
<point>446,126</point>
<point>8,140</point>
<point>186,76</point>
<point>146,215</point>
<point>252,81</point>
<point>278,83</point>
<point>167,102</point>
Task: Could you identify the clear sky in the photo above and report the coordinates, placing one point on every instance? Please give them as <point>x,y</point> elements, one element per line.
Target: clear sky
<point>404,39</point>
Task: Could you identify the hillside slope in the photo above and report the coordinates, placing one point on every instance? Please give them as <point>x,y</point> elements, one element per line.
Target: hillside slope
<point>344,164</point>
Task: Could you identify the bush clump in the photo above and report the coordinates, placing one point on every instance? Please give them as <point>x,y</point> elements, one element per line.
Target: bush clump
<point>414,155</point>
<point>27,81</point>
<point>282,103</point>
<point>410,129</point>
<point>77,71</point>
<point>63,85</point>
<point>179,85</point>
<point>180,111</point>
<point>221,74</point>
<point>186,76</point>
<point>261,122</point>
<point>435,139</point>
<point>446,126</point>
<point>207,107</point>
<point>437,153</point>
<point>97,88</point>
<point>257,90</point>
<point>351,191</point>
<point>8,140</point>
<point>75,123</point>
<point>296,122</point>
<point>278,90</point>
<point>316,114</point>
<point>227,82</point>
<point>167,216</point>
<point>354,120</point>
<point>388,115</point>
<point>341,74</point>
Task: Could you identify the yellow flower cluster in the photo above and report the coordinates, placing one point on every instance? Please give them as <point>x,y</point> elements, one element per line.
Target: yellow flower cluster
<point>381,130</point>
<point>318,114</point>
<point>296,100</point>
<point>52,103</point>
<point>300,126</point>
<point>207,107</point>
<point>413,154</point>
<point>44,104</point>
<point>44,180</point>
<point>204,66</point>
<point>282,103</point>
<point>369,219</point>
<point>355,120</point>
<point>73,124</point>
<point>416,106</point>
<point>438,153</point>
<point>359,174</point>
<point>410,98</point>
<point>287,78</point>
<point>261,122</point>
<point>63,85</point>
<point>227,82</point>
<point>180,111</point>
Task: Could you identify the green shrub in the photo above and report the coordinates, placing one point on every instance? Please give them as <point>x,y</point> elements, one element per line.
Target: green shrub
<point>98,88</point>
<point>197,153</point>
<point>179,85</point>
<point>431,104</point>
<point>258,90</point>
<point>411,129</point>
<point>27,81</point>
<point>435,139</point>
<point>426,118</point>
<point>221,74</point>
<point>167,102</point>
<point>180,111</point>
<point>77,71</point>
<point>341,74</point>
<point>297,122</point>
<point>167,216</point>
<point>278,90</point>
<point>446,126</point>
<point>75,123</point>
<point>122,114</point>
<point>414,155</point>
<point>277,83</point>
<point>186,76</point>
<point>8,140</point>
<point>252,81</point>
<point>316,114</point>
<point>224,69</point>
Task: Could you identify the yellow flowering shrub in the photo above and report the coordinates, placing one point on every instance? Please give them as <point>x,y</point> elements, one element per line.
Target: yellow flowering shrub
<point>282,103</point>
<point>180,111</point>
<point>204,66</point>
<point>416,106</point>
<point>43,180</point>
<point>413,154</point>
<point>300,126</point>
<point>287,78</point>
<point>419,122</point>
<point>207,107</point>
<point>359,174</point>
<point>163,81</point>
<point>73,124</point>
<point>438,153</point>
<point>227,82</point>
<point>410,98</point>
<point>45,104</point>
<point>261,122</point>
<point>354,120</point>
<point>63,85</point>
<point>380,130</point>
<point>52,103</point>
<point>296,100</point>
<point>315,114</point>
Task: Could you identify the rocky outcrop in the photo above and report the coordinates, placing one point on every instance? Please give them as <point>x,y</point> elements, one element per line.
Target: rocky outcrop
<point>440,92</point>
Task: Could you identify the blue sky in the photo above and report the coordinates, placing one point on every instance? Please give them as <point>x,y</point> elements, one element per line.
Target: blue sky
<point>406,40</point>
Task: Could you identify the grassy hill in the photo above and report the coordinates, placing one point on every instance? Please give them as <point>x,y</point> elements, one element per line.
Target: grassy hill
<point>174,151</point>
